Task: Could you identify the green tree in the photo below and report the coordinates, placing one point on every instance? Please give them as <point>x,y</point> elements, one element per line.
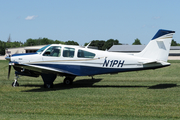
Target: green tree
<point>71,42</point>
<point>46,41</point>
<point>109,43</point>
<point>85,44</point>
<point>137,42</point>
<point>2,47</point>
<point>58,42</point>
<point>30,42</point>
<point>41,41</point>
<point>174,43</point>
<point>98,43</point>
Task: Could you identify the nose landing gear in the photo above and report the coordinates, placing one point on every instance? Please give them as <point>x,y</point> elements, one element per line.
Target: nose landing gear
<point>15,83</point>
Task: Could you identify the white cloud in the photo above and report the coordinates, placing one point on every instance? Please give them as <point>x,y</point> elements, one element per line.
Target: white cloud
<point>31,17</point>
<point>156,17</point>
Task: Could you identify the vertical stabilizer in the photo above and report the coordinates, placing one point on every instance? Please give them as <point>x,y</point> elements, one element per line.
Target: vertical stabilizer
<point>158,48</point>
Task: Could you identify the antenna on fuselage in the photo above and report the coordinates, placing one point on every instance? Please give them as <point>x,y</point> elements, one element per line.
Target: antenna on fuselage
<point>88,45</point>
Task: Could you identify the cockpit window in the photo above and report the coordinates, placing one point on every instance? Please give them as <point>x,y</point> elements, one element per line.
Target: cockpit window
<point>42,49</point>
<point>68,52</point>
<point>54,51</point>
<point>85,54</point>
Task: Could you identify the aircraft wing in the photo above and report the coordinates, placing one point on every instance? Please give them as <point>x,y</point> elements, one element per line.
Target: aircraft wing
<point>41,69</point>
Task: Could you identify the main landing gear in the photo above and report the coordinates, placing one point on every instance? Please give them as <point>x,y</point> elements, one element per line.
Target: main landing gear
<point>69,80</point>
<point>15,83</point>
<point>48,80</point>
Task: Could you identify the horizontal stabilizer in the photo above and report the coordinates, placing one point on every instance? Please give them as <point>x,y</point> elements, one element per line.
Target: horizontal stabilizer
<point>147,61</point>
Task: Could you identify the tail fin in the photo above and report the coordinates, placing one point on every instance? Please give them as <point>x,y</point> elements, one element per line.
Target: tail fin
<point>158,48</point>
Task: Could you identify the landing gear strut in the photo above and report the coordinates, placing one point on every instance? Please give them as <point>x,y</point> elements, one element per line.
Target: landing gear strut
<point>15,83</point>
<point>48,80</point>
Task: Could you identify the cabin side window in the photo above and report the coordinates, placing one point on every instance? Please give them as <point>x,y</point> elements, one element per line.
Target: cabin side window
<point>68,52</point>
<point>53,51</point>
<point>85,54</point>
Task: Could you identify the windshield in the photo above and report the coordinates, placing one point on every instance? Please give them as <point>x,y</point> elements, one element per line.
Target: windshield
<point>42,49</point>
<point>54,51</point>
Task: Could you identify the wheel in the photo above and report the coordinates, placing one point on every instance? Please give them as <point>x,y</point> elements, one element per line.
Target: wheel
<point>68,81</point>
<point>15,84</point>
<point>48,85</point>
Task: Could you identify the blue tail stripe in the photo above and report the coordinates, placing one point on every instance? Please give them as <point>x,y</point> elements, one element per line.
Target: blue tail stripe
<point>162,32</point>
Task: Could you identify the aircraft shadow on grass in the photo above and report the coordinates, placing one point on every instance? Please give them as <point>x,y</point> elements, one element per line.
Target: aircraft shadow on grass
<point>163,86</point>
<point>90,83</point>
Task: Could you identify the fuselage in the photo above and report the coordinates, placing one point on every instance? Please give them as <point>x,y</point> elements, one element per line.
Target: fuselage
<point>71,61</point>
<point>79,61</point>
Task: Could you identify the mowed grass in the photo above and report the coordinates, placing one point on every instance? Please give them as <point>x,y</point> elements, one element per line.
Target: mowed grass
<point>144,95</point>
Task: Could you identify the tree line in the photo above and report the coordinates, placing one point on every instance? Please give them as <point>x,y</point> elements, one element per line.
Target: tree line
<point>31,42</point>
<point>100,44</point>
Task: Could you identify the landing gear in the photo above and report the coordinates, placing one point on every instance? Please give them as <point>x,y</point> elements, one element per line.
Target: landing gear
<point>15,83</point>
<point>69,80</point>
<point>48,80</point>
<point>48,85</point>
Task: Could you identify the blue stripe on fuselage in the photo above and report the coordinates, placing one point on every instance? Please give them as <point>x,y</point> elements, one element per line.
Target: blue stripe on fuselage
<point>21,54</point>
<point>89,71</point>
<point>81,70</point>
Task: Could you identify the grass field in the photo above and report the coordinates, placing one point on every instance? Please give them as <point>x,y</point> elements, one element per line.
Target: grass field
<point>142,95</point>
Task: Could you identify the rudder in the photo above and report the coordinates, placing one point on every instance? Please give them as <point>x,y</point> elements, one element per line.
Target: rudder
<point>158,48</point>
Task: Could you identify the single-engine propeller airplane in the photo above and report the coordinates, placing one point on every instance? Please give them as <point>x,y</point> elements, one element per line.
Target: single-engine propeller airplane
<point>71,61</point>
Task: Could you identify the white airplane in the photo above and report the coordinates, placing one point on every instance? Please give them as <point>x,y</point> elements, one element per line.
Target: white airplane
<point>71,61</point>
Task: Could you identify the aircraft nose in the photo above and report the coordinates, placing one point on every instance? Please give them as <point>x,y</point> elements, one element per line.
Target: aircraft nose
<point>8,57</point>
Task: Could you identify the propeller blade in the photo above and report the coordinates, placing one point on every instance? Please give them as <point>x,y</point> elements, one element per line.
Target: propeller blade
<point>9,71</point>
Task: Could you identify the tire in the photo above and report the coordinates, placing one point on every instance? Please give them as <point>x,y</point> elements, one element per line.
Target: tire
<point>15,85</point>
<point>68,81</point>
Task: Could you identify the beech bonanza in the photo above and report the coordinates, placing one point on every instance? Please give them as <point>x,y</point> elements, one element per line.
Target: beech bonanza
<point>71,61</point>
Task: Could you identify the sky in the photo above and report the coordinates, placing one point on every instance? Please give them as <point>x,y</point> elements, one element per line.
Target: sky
<point>86,20</point>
